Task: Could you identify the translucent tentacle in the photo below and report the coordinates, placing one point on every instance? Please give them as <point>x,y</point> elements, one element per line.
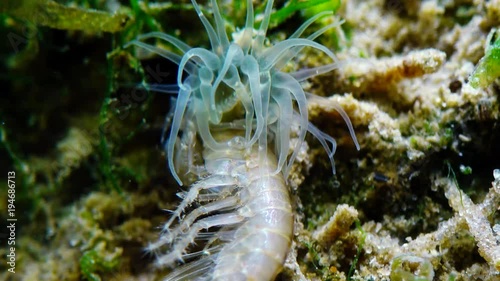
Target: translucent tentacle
<point>258,44</point>
<point>212,36</point>
<point>250,68</point>
<point>286,82</point>
<point>234,56</point>
<point>306,73</point>
<point>284,101</point>
<point>163,88</point>
<point>246,41</point>
<point>168,38</point>
<point>210,60</point>
<point>271,56</point>
<point>306,24</point>
<point>190,67</point>
<point>323,139</point>
<point>180,108</point>
<point>342,113</point>
<point>219,25</point>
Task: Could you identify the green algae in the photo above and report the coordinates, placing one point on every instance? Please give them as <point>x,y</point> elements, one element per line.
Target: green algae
<point>359,250</point>
<point>488,68</point>
<point>310,8</point>
<point>58,143</point>
<point>51,14</point>
<point>411,268</point>
<point>93,262</point>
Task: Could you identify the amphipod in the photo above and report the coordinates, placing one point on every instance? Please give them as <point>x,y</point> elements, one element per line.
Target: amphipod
<point>235,222</point>
<point>248,205</point>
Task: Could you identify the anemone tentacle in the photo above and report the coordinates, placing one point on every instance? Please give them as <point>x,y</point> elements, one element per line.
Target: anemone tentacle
<point>211,83</point>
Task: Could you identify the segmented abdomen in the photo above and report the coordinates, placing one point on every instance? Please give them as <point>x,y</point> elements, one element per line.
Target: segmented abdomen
<point>244,217</point>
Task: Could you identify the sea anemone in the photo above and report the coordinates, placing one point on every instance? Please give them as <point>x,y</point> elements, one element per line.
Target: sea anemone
<point>245,73</point>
